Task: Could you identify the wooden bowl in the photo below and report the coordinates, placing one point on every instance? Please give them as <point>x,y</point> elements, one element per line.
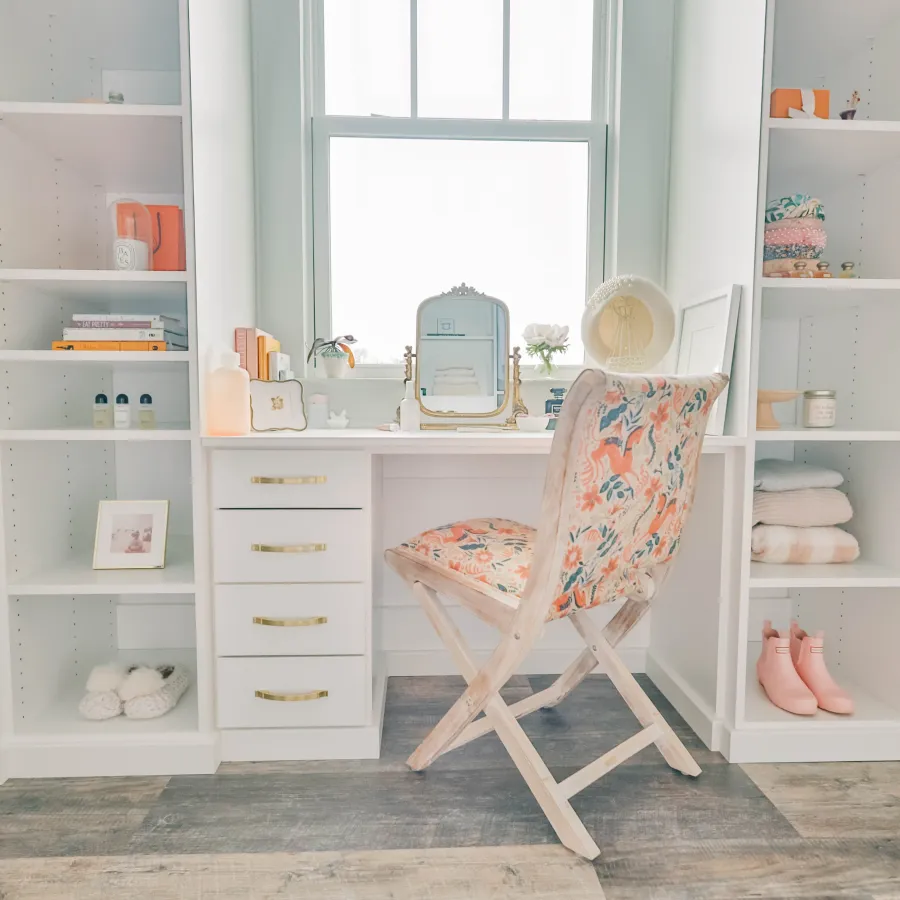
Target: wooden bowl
<point>765,415</point>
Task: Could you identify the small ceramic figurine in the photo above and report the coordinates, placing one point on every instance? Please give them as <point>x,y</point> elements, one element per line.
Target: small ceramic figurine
<point>338,420</point>
<point>850,111</point>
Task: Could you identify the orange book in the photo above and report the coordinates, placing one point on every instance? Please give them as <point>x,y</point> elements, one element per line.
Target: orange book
<point>156,346</point>
<point>265,343</point>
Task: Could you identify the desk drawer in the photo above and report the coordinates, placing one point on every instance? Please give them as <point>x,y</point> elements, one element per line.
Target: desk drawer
<point>292,619</point>
<point>290,479</point>
<point>302,681</point>
<point>288,545</point>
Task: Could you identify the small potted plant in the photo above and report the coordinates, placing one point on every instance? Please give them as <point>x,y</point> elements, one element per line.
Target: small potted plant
<point>850,111</point>
<point>543,342</point>
<point>336,355</point>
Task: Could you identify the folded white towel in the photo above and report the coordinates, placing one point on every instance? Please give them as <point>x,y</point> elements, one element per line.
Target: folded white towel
<point>783,475</point>
<point>810,508</point>
<point>783,544</point>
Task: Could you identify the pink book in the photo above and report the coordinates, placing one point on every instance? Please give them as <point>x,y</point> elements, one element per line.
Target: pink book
<point>240,346</point>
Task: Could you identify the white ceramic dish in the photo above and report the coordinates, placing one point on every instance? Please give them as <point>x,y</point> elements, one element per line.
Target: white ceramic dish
<point>532,423</point>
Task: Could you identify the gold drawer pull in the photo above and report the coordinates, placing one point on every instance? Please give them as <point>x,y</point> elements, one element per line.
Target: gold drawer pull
<point>288,479</point>
<point>290,623</point>
<point>291,698</point>
<point>289,548</point>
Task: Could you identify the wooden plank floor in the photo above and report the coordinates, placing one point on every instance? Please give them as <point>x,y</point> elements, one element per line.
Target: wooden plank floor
<point>468,827</point>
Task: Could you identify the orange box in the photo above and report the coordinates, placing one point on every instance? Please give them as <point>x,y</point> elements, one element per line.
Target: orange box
<point>168,238</point>
<point>784,99</point>
<point>154,346</point>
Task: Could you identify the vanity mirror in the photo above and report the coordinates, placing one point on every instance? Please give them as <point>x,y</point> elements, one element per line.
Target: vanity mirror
<point>464,369</point>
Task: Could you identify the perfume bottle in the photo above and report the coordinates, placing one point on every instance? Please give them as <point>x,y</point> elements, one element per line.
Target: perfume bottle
<point>822,270</point>
<point>103,416</point>
<point>146,413</point>
<point>122,414</point>
<point>554,405</point>
<point>801,270</point>
<point>848,270</point>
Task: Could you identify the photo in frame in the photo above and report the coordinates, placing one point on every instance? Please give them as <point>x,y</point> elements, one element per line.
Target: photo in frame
<point>277,406</point>
<point>707,328</point>
<point>131,534</point>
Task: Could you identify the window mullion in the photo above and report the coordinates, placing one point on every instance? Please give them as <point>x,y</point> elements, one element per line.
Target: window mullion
<point>414,59</point>
<point>506,14</point>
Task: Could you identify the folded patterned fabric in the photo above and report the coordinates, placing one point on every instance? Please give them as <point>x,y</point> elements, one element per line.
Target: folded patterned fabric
<point>793,251</point>
<point>797,206</point>
<point>795,231</point>
<point>809,508</point>
<point>783,544</point>
<point>784,475</point>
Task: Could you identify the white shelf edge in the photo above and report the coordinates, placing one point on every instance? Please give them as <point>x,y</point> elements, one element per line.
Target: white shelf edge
<point>100,275</point>
<point>840,435</point>
<point>87,357</point>
<point>107,110</point>
<point>830,284</point>
<point>99,434</point>
<point>861,573</point>
<point>861,126</point>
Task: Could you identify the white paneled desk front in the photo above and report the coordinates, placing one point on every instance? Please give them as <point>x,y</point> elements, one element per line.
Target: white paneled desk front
<point>309,622</point>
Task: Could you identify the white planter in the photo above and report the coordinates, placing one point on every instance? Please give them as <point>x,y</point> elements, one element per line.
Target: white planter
<point>335,366</point>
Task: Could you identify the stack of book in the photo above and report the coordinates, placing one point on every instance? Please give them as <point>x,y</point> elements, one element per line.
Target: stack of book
<point>261,355</point>
<point>141,331</point>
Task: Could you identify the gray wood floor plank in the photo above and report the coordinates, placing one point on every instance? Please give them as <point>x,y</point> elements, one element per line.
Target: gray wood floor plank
<point>507,873</point>
<point>73,817</point>
<point>834,799</point>
<point>300,813</point>
<point>781,869</point>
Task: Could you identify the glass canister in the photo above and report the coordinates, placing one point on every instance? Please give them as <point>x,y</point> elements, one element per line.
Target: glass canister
<point>819,409</point>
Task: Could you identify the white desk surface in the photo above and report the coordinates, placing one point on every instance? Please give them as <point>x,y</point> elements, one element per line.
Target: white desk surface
<point>422,442</point>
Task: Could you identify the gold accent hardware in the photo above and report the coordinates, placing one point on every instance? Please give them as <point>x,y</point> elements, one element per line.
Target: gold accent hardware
<point>294,479</point>
<point>290,623</point>
<point>289,548</point>
<point>291,698</point>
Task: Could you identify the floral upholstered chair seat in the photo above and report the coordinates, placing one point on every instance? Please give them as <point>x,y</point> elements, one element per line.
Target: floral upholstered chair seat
<point>494,554</point>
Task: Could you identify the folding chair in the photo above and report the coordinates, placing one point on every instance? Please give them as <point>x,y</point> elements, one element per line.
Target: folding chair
<point>621,479</point>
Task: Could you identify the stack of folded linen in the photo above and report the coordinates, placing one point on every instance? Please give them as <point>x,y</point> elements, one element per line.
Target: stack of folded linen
<point>796,508</point>
<point>794,231</point>
<point>458,381</point>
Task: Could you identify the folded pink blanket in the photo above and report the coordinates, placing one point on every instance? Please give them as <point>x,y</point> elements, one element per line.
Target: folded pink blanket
<point>783,544</point>
<point>811,508</point>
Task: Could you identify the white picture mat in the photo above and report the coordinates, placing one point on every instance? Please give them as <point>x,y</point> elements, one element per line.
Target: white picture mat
<point>131,534</point>
<point>707,328</point>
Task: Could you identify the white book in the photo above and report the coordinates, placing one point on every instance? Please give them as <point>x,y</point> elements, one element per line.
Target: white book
<point>121,334</point>
<point>164,321</point>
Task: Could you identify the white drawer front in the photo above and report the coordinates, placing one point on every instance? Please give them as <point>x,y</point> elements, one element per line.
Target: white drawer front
<point>288,545</point>
<point>301,680</point>
<point>290,479</point>
<point>290,619</point>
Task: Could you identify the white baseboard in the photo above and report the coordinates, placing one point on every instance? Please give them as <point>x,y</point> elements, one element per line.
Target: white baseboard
<point>805,744</point>
<point>538,662</point>
<point>690,705</point>
<point>34,757</point>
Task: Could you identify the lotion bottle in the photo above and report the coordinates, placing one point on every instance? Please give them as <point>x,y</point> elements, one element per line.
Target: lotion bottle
<point>146,413</point>
<point>103,416</point>
<point>122,414</point>
<point>228,398</point>
<point>410,415</point>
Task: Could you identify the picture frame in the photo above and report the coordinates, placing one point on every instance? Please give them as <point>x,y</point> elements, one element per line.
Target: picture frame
<point>706,333</point>
<point>131,534</point>
<point>277,406</point>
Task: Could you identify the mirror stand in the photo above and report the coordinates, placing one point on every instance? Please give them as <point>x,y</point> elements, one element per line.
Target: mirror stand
<point>518,407</point>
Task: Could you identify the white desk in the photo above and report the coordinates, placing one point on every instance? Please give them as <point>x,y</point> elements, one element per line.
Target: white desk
<point>324,505</point>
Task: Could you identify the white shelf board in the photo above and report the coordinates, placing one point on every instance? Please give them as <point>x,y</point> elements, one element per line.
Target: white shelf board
<point>76,576</point>
<point>860,573</point>
<point>760,712</point>
<point>124,151</point>
<point>168,433</point>
<point>62,718</point>
<point>88,357</point>
<point>101,110</point>
<point>825,434</point>
<point>831,148</point>
<point>831,284</point>
<point>92,284</point>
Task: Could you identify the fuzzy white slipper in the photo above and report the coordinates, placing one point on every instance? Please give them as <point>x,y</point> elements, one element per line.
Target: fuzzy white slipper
<point>101,700</point>
<point>139,681</point>
<point>106,677</point>
<point>174,682</point>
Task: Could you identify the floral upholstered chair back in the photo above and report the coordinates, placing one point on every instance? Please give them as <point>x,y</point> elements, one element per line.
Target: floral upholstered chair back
<point>622,477</point>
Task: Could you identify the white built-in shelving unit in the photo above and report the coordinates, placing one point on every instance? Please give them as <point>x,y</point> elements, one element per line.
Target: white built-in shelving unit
<point>63,161</point>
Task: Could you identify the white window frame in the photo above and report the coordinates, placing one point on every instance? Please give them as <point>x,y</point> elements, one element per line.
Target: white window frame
<point>323,128</point>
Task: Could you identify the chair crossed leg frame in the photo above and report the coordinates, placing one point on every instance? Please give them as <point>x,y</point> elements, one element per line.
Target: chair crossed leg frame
<point>454,731</point>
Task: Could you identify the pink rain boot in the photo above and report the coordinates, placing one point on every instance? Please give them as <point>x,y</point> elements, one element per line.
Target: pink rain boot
<point>808,654</point>
<point>778,677</point>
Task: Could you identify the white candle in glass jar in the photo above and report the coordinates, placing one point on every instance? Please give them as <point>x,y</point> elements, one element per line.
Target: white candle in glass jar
<point>819,409</point>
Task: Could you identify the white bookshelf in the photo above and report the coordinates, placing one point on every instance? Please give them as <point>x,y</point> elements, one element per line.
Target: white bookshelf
<point>63,161</point>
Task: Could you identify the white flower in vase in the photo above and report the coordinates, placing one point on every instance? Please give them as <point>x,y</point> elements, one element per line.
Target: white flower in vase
<point>543,342</point>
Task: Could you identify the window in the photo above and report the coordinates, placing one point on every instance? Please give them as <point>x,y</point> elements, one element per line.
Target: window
<point>455,140</point>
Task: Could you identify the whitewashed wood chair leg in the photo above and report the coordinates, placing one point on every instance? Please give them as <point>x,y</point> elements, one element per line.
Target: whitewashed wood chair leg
<point>568,827</point>
<point>669,744</point>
